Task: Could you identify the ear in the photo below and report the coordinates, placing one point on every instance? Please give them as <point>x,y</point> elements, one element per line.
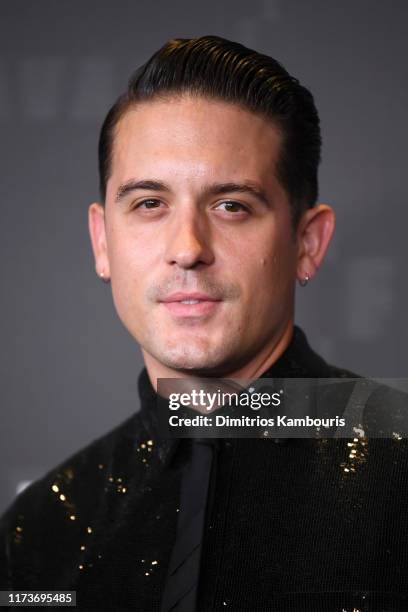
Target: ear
<point>97,232</point>
<point>314,232</point>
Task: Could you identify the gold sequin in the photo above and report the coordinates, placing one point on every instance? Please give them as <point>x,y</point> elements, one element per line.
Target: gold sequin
<point>357,455</point>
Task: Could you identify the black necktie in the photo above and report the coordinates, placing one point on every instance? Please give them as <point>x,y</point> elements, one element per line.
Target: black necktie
<point>180,592</point>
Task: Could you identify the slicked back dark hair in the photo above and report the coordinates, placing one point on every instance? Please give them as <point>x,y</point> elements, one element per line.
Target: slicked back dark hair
<point>216,68</point>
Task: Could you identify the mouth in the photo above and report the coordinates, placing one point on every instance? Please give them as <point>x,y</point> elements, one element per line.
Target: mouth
<point>191,304</point>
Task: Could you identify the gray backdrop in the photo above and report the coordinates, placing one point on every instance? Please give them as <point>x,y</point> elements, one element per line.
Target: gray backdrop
<point>68,368</point>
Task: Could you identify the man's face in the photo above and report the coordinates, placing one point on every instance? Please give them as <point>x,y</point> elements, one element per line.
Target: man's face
<point>194,213</point>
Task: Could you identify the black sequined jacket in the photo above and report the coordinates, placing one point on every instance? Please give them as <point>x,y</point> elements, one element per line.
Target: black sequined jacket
<point>304,525</point>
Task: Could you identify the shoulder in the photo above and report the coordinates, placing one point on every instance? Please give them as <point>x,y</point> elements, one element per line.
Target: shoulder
<point>48,515</point>
<point>381,410</point>
<point>75,471</point>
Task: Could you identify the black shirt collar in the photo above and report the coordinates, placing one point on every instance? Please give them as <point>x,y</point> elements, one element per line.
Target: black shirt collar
<point>297,361</point>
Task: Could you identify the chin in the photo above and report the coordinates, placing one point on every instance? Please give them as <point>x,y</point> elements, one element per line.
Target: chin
<point>191,358</point>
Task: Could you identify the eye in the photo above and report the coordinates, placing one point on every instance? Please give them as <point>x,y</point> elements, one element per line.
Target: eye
<point>232,207</point>
<point>148,204</point>
<point>148,209</point>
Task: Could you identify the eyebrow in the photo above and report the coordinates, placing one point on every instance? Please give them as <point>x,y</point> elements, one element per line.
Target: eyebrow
<point>246,187</point>
<point>133,185</point>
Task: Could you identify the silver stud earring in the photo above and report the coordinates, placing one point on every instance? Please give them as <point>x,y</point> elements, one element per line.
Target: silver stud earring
<point>102,277</point>
<point>303,281</point>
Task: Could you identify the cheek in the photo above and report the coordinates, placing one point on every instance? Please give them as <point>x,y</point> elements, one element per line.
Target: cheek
<point>266,277</point>
<point>266,259</point>
<point>131,254</point>
<point>128,272</point>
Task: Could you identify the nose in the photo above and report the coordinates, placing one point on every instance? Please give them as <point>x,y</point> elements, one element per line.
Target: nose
<point>188,244</point>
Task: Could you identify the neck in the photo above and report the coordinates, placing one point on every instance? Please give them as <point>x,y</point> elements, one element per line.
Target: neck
<point>251,370</point>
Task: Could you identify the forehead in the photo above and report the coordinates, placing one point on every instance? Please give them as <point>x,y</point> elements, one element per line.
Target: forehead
<point>194,139</point>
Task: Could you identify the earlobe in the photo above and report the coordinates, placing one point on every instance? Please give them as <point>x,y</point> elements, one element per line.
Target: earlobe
<point>97,233</point>
<point>315,231</point>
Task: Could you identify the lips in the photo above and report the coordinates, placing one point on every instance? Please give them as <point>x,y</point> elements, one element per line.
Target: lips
<point>181,296</point>
<point>191,304</point>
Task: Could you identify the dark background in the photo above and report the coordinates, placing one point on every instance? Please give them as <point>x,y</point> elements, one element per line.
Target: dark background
<point>68,367</point>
